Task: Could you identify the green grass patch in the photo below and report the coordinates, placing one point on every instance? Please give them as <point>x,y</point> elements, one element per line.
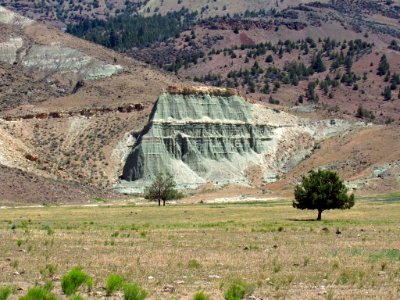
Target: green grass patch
<point>114,283</point>
<point>238,289</point>
<point>389,254</point>
<point>75,278</point>
<point>201,296</point>
<point>38,293</point>
<point>133,291</point>
<point>194,264</point>
<point>6,292</point>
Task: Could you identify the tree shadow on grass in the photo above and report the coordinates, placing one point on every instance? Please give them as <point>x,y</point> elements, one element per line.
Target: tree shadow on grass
<point>303,220</point>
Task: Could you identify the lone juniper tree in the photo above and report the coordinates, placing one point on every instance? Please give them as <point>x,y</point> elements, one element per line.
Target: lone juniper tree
<point>163,188</point>
<point>322,190</point>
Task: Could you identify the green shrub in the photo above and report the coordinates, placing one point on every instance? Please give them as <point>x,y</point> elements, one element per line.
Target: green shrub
<point>201,296</point>
<point>5,292</point>
<point>38,293</point>
<point>133,291</point>
<point>194,264</point>
<point>238,289</point>
<point>71,282</point>
<point>114,283</point>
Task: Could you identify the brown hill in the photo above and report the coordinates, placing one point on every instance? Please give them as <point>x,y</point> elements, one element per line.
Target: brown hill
<point>233,52</point>
<point>62,13</point>
<point>68,106</point>
<point>368,158</point>
<point>218,8</point>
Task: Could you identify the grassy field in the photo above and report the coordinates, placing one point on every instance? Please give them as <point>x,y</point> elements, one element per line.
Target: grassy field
<point>204,247</point>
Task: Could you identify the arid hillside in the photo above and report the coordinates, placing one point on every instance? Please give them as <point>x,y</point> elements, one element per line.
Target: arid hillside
<point>61,13</point>
<point>71,110</point>
<point>351,47</point>
<point>207,8</point>
<point>66,105</point>
<point>368,158</point>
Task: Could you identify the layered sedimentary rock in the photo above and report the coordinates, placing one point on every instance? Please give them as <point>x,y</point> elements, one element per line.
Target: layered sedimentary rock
<point>9,50</point>
<point>59,58</point>
<point>11,18</point>
<point>49,59</point>
<point>196,137</point>
<point>213,135</point>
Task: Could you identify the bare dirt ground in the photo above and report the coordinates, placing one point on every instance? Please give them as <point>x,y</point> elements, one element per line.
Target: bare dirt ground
<point>19,188</point>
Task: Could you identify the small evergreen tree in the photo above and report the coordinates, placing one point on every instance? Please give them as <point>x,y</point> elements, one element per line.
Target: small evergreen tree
<point>317,64</point>
<point>348,63</point>
<point>322,190</point>
<point>383,67</point>
<point>163,188</point>
<point>387,93</point>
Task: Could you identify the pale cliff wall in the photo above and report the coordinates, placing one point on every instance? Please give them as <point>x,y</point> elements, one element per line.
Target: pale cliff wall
<point>197,138</point>
<point>200,137</point>
<point>48,58</point>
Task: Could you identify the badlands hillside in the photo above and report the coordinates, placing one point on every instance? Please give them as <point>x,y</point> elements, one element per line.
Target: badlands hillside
<point>66,106</point>
<point>75,115</point>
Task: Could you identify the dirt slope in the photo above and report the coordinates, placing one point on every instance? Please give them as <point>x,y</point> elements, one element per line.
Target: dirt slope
<point>62,126</point>
<point>19,188</point>
<point>368,158</point>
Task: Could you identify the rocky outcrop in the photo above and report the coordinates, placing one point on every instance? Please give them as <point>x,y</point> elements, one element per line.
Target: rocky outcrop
<point>86,112</point>
<point>49,59</point>
<point>10,18</point>
<point>213,135</point>
<point>9,50</point>
<point>197,137</point>
<point>62,59</point>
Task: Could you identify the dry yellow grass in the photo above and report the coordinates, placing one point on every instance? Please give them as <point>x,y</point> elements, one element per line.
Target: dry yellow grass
<point>203,247</point>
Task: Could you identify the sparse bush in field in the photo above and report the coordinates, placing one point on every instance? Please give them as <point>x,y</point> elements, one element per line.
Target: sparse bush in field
<point>194,264</point>
<point>49,271</point>
<point>5,292</point>
<point>279,282</point>
<point>133,291</point>
<point>114,283</point>
<point>306,261</point>
<point>38,293</point>
<point>75,278</point>
<point>335,265</point>
<point>48,286</point>
<point>134,227</point>
<point>277,266</point>
<point>201,296</point>
<point>76,297</point>
<point>238,289</point>
<point>347,277</point>
<point>48,229</point>
<point>14,264</point>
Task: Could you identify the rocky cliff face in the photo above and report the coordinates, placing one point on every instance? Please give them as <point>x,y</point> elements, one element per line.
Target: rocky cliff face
<point>205,135</point>
<point>48,59</point>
